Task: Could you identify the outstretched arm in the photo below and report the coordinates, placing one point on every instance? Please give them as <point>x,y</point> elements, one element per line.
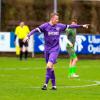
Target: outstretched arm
<point>78,26</point>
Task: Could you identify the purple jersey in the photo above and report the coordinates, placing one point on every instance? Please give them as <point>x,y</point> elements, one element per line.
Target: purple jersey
<point>51,35</point>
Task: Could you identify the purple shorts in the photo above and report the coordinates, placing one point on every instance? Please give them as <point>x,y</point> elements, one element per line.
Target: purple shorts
<point>51,56</point>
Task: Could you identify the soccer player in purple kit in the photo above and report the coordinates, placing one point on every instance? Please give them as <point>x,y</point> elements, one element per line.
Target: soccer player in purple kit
<point>52,31</point>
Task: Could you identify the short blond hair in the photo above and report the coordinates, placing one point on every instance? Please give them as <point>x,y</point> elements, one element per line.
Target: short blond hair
<point>53,14</point>
<point>74,20</point>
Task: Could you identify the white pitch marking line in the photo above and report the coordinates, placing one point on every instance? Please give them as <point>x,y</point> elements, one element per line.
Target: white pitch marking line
<point>23,68</point>
<point>30,68</point>
<point>82,86</point>
<point>27,68</point>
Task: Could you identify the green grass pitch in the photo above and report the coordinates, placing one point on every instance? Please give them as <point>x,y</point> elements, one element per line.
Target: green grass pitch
<point>22,80</point>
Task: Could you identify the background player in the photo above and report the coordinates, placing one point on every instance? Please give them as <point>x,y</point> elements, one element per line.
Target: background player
<point>71,35</point>
<point>21,32</point>
<point>51,30</point>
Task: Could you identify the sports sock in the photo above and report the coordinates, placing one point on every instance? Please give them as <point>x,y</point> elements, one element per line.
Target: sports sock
<point>74,69</point>
<point>48,75</point>
<point>70,71</point>
<point>53,78</point>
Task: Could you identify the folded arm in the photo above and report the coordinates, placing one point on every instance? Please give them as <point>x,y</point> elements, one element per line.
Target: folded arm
<point>33,31</point>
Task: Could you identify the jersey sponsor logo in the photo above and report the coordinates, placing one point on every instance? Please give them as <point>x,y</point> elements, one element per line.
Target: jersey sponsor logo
<point>53,33</point>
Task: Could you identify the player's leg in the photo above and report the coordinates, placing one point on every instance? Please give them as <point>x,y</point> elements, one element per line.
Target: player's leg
<point>73,60</point>
<point>51,60</point>
<point>53,79</point>
<point>48,70</point>
<point>69,49</point>
<point>26,50</point>
<point>74,67</point>
<point>70,68</point>
<point>21,48</point>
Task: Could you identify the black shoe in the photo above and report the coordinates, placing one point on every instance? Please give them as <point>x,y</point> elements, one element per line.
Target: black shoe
<point>44,87</point>
<point>53,88</point>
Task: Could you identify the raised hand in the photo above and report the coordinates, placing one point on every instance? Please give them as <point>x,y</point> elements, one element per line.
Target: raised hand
<point>86,25</point>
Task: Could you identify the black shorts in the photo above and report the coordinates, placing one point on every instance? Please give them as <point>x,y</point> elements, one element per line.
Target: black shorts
<point>21,43</point>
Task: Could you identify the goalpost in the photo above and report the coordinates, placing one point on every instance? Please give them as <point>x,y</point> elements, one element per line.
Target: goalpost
<point>55,6</point>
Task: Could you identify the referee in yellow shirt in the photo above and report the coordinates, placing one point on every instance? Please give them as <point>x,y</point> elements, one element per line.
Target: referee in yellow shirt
<point>21,32</point>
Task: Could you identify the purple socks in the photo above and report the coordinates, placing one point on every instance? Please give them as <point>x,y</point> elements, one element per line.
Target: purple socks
<point>53,78</point>
<point>50,75</point>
